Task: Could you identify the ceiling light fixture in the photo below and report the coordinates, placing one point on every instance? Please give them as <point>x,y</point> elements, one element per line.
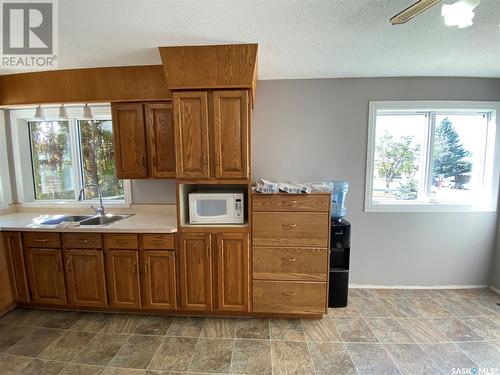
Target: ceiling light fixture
<point>460,13</point>
<point>87,113</point>
<point>63,112</point>
<point>39,113</point>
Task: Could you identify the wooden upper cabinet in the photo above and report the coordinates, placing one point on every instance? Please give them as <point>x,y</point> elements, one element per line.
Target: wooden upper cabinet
<point>232,272</point>
<point>130,140</point>
<point>122,269</point>
<point>231,140</point>
<point>158,280</point>
<point>85,277</point>
<point>195,268</point>
<point>161,140</point>
<point>15,261</point>
<point>191,134</point>
<point>46,275</point>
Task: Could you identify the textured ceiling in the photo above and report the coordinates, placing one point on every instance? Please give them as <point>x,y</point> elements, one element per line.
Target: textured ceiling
<point>297,39</point>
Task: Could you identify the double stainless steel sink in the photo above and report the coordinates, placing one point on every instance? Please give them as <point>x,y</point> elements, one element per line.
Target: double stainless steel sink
<point>85,219</point>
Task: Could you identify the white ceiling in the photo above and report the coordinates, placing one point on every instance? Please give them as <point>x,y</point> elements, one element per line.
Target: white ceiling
<point>297,39</point>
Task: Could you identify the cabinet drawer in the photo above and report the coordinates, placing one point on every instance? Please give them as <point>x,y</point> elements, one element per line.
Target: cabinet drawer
<point>41,239</point>
<point>158,241</point>
<point>291,229</point>
<point>121,241</point>
<point>289,297</point>
<point>291,202</point>
<point>282,263</point>
<point>82,240</point>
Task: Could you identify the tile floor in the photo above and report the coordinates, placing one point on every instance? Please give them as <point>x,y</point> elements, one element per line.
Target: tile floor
<point>382,331</point>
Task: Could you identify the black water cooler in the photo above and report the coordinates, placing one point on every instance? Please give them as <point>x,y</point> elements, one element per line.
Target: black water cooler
<point>340,248</point>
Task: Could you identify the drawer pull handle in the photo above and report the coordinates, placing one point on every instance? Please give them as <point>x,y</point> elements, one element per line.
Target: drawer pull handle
<point>290,260</point>
<point>42,240</point>
<point>289,294</point>
<point>134,268</point>
<point>291,203</point>
<point>290,226</point>
<point>122,242</point>
<point>159,242</point>
<point>83,241</point>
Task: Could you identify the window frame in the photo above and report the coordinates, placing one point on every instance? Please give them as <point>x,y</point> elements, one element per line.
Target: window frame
<point>19,119</point>
<point>5,183</point>
<point>492,162</point>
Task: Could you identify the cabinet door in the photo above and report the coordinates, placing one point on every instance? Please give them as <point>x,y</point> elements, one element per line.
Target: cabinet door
<point>231,134</point>
<point>161,140</point>
<point>158,280</point>
<point>122,268</point>
<point>85,277</point>
<point>46,276</point>
<point>17,270</point>
<point>195,267</point>
<point>232,271</point>
<point>191,134</point>
<point>130,140</point>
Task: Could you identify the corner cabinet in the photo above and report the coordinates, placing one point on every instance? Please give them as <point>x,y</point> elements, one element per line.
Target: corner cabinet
<point>212,134</point>
<point>144,140</point>
<point>15,260</point>
<point>222,257</point>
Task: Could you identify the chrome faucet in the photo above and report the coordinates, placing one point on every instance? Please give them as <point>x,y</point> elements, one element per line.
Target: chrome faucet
<point>99,210</point>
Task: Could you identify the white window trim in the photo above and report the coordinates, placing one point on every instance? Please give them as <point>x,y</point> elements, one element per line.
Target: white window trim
<point>5,187</point>
<point>21,153</point>
<point>432,106</point>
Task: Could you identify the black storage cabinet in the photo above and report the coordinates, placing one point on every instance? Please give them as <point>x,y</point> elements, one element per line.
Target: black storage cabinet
<point>340,248</point>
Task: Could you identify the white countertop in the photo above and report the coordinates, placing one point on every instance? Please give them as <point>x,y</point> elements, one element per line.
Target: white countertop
<point>138,223</point>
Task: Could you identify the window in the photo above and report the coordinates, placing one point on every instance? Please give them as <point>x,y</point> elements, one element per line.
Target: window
<point>431,156</point>
<point>56,157</point>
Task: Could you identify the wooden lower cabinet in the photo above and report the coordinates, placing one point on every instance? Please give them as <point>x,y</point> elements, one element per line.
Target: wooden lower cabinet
<point>85,279</point>
<point>46,275</point>
<point>122,271</point>
<point>13,245</point>
<point>221,257</point>
<point>158,285</point>
<point>195,271</point>
<point>232,272</point>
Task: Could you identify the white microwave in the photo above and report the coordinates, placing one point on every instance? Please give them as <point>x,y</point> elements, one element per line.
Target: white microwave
<point>216,207</point>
